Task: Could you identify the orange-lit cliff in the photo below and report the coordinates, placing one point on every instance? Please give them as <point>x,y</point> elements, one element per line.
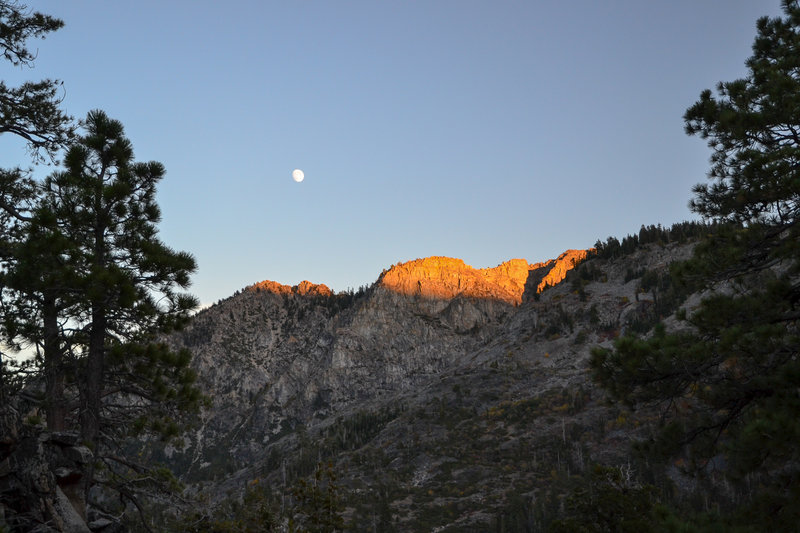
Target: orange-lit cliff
<point>555,270</point>
<point>445,277</point>
<point>303,288</point>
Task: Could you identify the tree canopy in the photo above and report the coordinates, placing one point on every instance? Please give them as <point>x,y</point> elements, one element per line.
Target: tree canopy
<point>730,376</point>
<point>86,285</point>
<point>126,278</point>
<point>32,110</point>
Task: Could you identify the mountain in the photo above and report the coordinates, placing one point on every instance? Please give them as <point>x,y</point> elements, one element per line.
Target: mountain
<point>276,356</point>
<point>453,396</point>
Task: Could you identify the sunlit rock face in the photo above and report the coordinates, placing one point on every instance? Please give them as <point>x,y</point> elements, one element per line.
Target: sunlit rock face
<point>445,278</point>
<point>552,272</point>
<point>304,288</point>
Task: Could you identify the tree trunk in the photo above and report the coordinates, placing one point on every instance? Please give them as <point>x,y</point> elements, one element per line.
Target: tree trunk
<point>93,378</point>
<point>3,399</point>
<point>91,393</point>
<point>55,406</point>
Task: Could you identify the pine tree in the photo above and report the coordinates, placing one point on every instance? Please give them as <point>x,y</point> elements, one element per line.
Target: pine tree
<point>37,293</point>
<point>730,379</point>
<point>317,503</point>
<point>87,282</point>
<point>30,111</point>
<point>125,281</point>
<point>84,280</point>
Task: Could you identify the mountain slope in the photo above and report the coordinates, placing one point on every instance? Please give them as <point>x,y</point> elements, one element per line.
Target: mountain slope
<point>276,356</point>
<point>443,391</point>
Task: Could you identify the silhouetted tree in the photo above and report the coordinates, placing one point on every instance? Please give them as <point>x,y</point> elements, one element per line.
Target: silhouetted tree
<point>31,110</point>
<point>124,278</point>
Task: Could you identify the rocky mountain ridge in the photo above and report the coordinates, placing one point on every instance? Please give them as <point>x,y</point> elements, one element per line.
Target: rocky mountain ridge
<point>304,288</point>
<point>446,278</point>
<point>277,356</point>
<point>407,373</point>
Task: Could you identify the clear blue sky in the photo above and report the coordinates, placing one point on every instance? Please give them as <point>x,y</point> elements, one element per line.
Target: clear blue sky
<point>481,130</point>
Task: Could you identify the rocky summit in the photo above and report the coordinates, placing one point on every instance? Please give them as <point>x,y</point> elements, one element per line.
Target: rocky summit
<point>304,288</point>
<point>446,278</point>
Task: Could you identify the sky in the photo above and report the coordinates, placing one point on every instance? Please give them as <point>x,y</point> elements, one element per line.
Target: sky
<point>483,130</point>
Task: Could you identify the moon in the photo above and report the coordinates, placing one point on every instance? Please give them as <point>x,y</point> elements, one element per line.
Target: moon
<point>297,175</point>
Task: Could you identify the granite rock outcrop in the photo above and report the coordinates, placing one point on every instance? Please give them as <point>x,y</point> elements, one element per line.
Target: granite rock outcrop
<point>550,273</point>
<point>304,288</point>
<point>40,476</point>
<point>446,278</point>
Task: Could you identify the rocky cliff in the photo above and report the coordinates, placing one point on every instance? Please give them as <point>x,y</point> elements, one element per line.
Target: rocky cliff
<point>445,278</point>
<point>552,272</point>
<point>304,288</point>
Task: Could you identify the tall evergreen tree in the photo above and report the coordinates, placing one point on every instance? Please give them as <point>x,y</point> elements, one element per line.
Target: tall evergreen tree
<point>30,111</point>
<point>84,279</point>
<point>88,283</point>
<point>125,281</point>
<point>730,379</point>
<point>37,292</point>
